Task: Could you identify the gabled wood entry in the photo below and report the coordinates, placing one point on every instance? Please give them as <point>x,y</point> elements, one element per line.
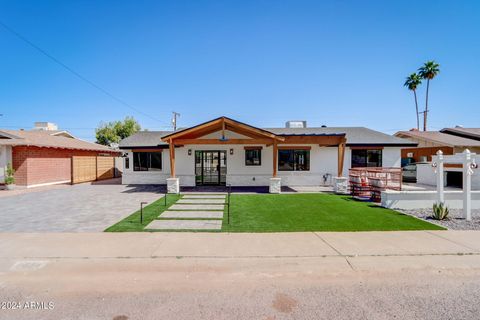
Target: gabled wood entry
<point>193,135</point>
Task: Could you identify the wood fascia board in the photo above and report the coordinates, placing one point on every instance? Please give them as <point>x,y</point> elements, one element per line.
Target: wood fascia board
<point>294,147</point>
<point>192,129</point>
<point>257,131</point>
<point>217,141</point>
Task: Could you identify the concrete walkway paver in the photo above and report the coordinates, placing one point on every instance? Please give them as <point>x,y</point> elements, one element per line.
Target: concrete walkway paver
<point>185,225</point>
<point>204,196</point>
<point>197,207</point>
<point>204,213</point>
<point>192,214</point>
<point>201,201</point>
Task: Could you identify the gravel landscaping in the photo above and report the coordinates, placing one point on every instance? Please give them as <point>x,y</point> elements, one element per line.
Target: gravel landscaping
<point>454,221</point>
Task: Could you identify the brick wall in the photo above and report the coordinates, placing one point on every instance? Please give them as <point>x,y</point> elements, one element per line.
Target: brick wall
<point>36,165</point>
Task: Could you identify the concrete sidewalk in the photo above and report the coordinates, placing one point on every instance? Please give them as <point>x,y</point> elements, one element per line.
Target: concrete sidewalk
<point>352,246</point>
<point>363,275</point>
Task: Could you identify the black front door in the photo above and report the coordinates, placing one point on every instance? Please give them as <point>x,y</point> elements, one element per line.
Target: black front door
<point>210,168</point>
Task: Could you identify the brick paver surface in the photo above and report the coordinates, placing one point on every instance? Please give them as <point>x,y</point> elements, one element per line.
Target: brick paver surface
<point>78,208</point>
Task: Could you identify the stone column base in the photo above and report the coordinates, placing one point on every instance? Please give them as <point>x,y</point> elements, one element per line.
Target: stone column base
<point>275,185</point>
<point>340,185</point>
<point>173,185</point>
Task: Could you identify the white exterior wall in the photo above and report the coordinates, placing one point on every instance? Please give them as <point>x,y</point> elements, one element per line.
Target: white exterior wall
<point>5,158</point>
<point>426,175</point>
<point>391,157</point>
<point>425,199</point>
<point>323,160</point>
<point>146,177</point>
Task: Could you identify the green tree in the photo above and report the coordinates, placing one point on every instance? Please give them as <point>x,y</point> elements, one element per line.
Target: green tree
<point>428,71</point>
<point>114,131</point>
<point>412,82</point>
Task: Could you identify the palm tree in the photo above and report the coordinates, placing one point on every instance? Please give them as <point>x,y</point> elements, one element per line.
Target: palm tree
<point>412,82</point>
<point>428,71</point>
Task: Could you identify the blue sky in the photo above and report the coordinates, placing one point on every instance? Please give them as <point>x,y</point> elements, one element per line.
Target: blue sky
<point>338,63</point>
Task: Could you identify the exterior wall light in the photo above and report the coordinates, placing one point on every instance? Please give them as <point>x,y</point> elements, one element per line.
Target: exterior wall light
<point>189,152</point>
<point>231,151</point>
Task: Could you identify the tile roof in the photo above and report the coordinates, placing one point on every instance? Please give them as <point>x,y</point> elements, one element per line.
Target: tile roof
<point>43,138</point>
<point>440,138</point>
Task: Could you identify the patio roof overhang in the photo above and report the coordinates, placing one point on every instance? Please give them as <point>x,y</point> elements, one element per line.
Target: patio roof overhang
<point>193,135</point>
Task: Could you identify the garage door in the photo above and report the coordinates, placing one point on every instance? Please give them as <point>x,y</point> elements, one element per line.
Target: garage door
<point>92,168</point>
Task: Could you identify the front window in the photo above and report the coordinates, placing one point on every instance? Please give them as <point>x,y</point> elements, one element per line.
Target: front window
<point>366,158</point>
<point>293,160</point>
<point>253,157</point>
<point>147,161</point>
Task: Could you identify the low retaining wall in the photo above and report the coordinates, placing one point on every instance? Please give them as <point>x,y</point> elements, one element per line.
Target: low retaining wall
<point>425,199</point>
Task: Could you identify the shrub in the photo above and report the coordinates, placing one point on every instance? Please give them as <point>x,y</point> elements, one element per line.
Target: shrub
<point>9,178</point>
<point>440,211</point>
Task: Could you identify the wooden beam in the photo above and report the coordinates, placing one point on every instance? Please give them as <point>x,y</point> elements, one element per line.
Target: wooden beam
<point>366,148</point>
<point>217,141</point>
<point>341,158</point>
<point>146,150</point>
<point>320,140</point>
<point>295,148</point>
<point>275,155</point>
<point>222,123</point>
<point>223,128</point>
<point>239,126</point>
<point>172,158</point>
<point>205,126</point>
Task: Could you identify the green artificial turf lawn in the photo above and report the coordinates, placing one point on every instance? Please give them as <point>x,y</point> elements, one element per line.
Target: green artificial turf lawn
<point>150,213</point>
<point>314,212</point>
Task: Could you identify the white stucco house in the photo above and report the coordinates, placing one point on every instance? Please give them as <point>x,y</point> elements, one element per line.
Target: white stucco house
<point>224,151</point>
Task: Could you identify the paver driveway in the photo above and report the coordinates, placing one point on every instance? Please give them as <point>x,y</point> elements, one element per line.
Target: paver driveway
<point>78,208</point>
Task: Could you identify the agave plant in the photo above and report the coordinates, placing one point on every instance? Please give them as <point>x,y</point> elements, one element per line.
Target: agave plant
<point>440,211</point>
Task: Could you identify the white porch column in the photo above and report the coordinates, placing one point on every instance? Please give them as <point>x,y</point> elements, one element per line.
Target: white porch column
<point>440,176</point>
<point>275,185</point>
<point>467,184</point>
<point>340,185</point>
<point>173,185</point>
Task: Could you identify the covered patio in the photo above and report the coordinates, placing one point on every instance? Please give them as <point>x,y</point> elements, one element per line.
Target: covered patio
<point>221,138</point>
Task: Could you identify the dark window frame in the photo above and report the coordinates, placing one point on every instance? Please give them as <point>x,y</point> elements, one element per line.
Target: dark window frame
<point>367,154</point>
<point>127,163</point>
<point>142,161</point>
<point>292,163</point>
<point>249,152</point>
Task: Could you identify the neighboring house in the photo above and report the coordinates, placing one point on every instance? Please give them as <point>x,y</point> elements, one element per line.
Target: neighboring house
<point>42,157</point>
<point>225,151</point>
<point>470,133</point>
<point>429,142</point>
<point>52,129</point>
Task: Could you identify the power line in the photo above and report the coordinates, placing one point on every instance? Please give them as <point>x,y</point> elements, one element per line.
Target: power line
<point>78,75</point>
